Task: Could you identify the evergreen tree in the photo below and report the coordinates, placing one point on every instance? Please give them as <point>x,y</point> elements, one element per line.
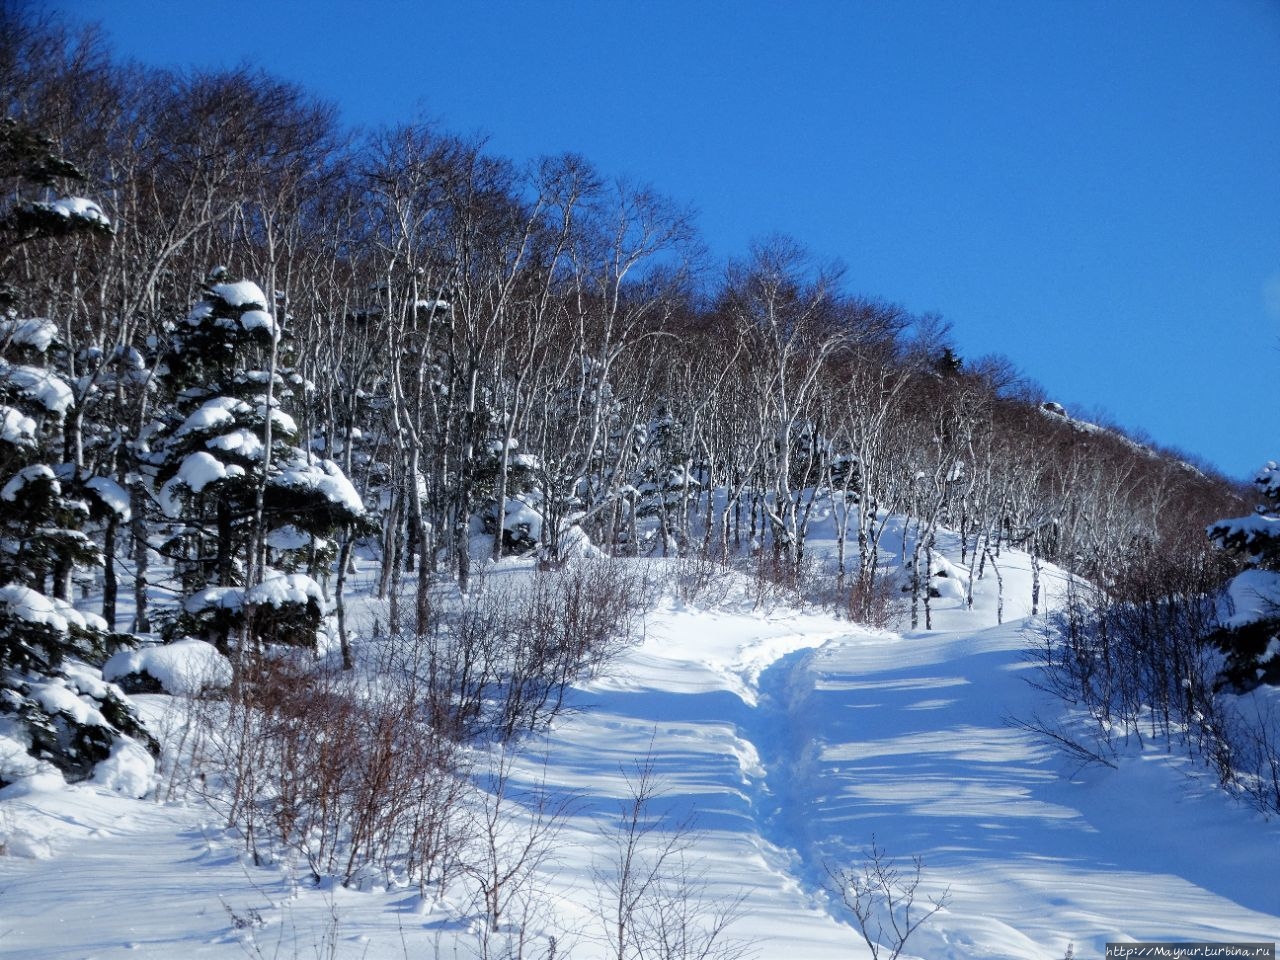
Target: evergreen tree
<point>55,709</point>
<point>1257,536</point>
<point>248,505</point>
<point>1251,640</point>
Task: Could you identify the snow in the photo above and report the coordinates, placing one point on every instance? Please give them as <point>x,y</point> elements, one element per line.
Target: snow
<point>242,293</point>
<point>197,471</point>
<point>75,208</point>
<point>243,443</point>
<point>789,738</point>
<point>34,607</point>
<point>288,537</point>
<point>36,332</point>
<point>1268,480</point>
<point>280,419</point>
<point>79,208</point>
<point>258,320</point>
<point>26,476</point>
<point>1252,533</point>
<point>212,415</point>
<point>289,588</point>
<point>199,313</point>
<point>130,770</point>
<point>1253,595</point>
<point>15,762</point>
<point>184,667</point>
<point>16,427</point>
<point>323,477</point>
<point>113,496</point>
<point>213,598</point>
<point>518,515</point>
<point>45,388</point>
<point>56,697</point>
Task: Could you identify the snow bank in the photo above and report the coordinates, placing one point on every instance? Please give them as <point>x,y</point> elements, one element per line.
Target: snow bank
<point>15,762</point>
<point>129,770</point>
<point>184,668</point>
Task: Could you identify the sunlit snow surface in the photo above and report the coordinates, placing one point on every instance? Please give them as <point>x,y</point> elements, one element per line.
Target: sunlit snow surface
<point>792,739</point>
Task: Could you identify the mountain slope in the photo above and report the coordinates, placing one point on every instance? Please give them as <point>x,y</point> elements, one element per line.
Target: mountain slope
<point>789,741</point>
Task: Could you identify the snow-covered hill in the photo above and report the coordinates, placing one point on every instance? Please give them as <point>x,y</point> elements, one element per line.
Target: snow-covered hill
<point>790,741</point>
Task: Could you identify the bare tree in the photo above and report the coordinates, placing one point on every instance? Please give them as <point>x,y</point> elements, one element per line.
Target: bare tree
<point>654,900</point>
<point>517,831</point>
<point>883,900</point>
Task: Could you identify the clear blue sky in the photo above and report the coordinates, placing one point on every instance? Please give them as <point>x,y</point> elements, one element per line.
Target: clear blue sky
<point>1091,188</point>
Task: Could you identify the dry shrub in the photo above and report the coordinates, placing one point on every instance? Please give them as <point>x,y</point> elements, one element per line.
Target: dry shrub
<point>364,772</point>
<point>501,663</point>
<point>1139,659</point>
<point>342,768</point>
<point>703,577</point>
<point>871,600</point>
<point>780,579</point>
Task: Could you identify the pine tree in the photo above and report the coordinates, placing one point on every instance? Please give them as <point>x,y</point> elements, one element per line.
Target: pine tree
<point>55,710</point>
<point>249,506</point>
<point>1251,640</point>
<point>1256,536</point>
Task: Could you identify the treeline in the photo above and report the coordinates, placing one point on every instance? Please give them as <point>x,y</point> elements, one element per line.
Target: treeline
<point>532,347</point>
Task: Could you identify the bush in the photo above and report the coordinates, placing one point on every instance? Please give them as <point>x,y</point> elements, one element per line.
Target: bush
<point>365,770</point>
<point>1142,659</point>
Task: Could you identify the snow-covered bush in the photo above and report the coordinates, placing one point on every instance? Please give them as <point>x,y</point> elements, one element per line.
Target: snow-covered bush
<point>283,609</point>
<point>342,768</point>
<point>182,668</point>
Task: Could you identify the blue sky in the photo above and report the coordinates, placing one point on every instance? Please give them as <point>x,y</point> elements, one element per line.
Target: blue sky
<point>1090,188</point>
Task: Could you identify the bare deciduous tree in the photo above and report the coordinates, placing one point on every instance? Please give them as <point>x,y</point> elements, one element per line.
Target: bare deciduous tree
<point>882,896</point>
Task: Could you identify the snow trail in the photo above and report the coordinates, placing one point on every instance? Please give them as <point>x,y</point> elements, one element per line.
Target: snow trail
<point>789,741</point>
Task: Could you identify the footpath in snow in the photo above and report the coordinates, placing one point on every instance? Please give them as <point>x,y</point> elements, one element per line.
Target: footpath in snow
<point>791,741</point>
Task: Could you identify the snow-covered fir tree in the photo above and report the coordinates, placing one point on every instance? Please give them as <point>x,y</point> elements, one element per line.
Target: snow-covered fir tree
<point>1251,637</point>
<point>55,710</point>
<point>250,510</point>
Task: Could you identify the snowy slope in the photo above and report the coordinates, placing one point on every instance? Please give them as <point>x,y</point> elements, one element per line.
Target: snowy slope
<point>791,740</point>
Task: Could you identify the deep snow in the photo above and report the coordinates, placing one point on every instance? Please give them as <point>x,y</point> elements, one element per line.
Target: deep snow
<point>792,739</point>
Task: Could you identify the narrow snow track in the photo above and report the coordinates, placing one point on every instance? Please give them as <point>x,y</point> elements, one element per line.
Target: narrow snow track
<point>835,737</point>
<point>906,740</point>
<point>789,742</point>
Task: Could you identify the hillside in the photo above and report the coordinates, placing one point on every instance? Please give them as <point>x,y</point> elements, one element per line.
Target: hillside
<point>407,551</point>
<point>789,740</point>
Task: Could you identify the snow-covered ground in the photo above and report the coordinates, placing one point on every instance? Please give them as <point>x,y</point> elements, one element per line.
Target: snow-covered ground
<point>792,740</point>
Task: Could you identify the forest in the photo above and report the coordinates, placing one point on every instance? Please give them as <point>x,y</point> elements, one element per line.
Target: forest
<point>247,349</point>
